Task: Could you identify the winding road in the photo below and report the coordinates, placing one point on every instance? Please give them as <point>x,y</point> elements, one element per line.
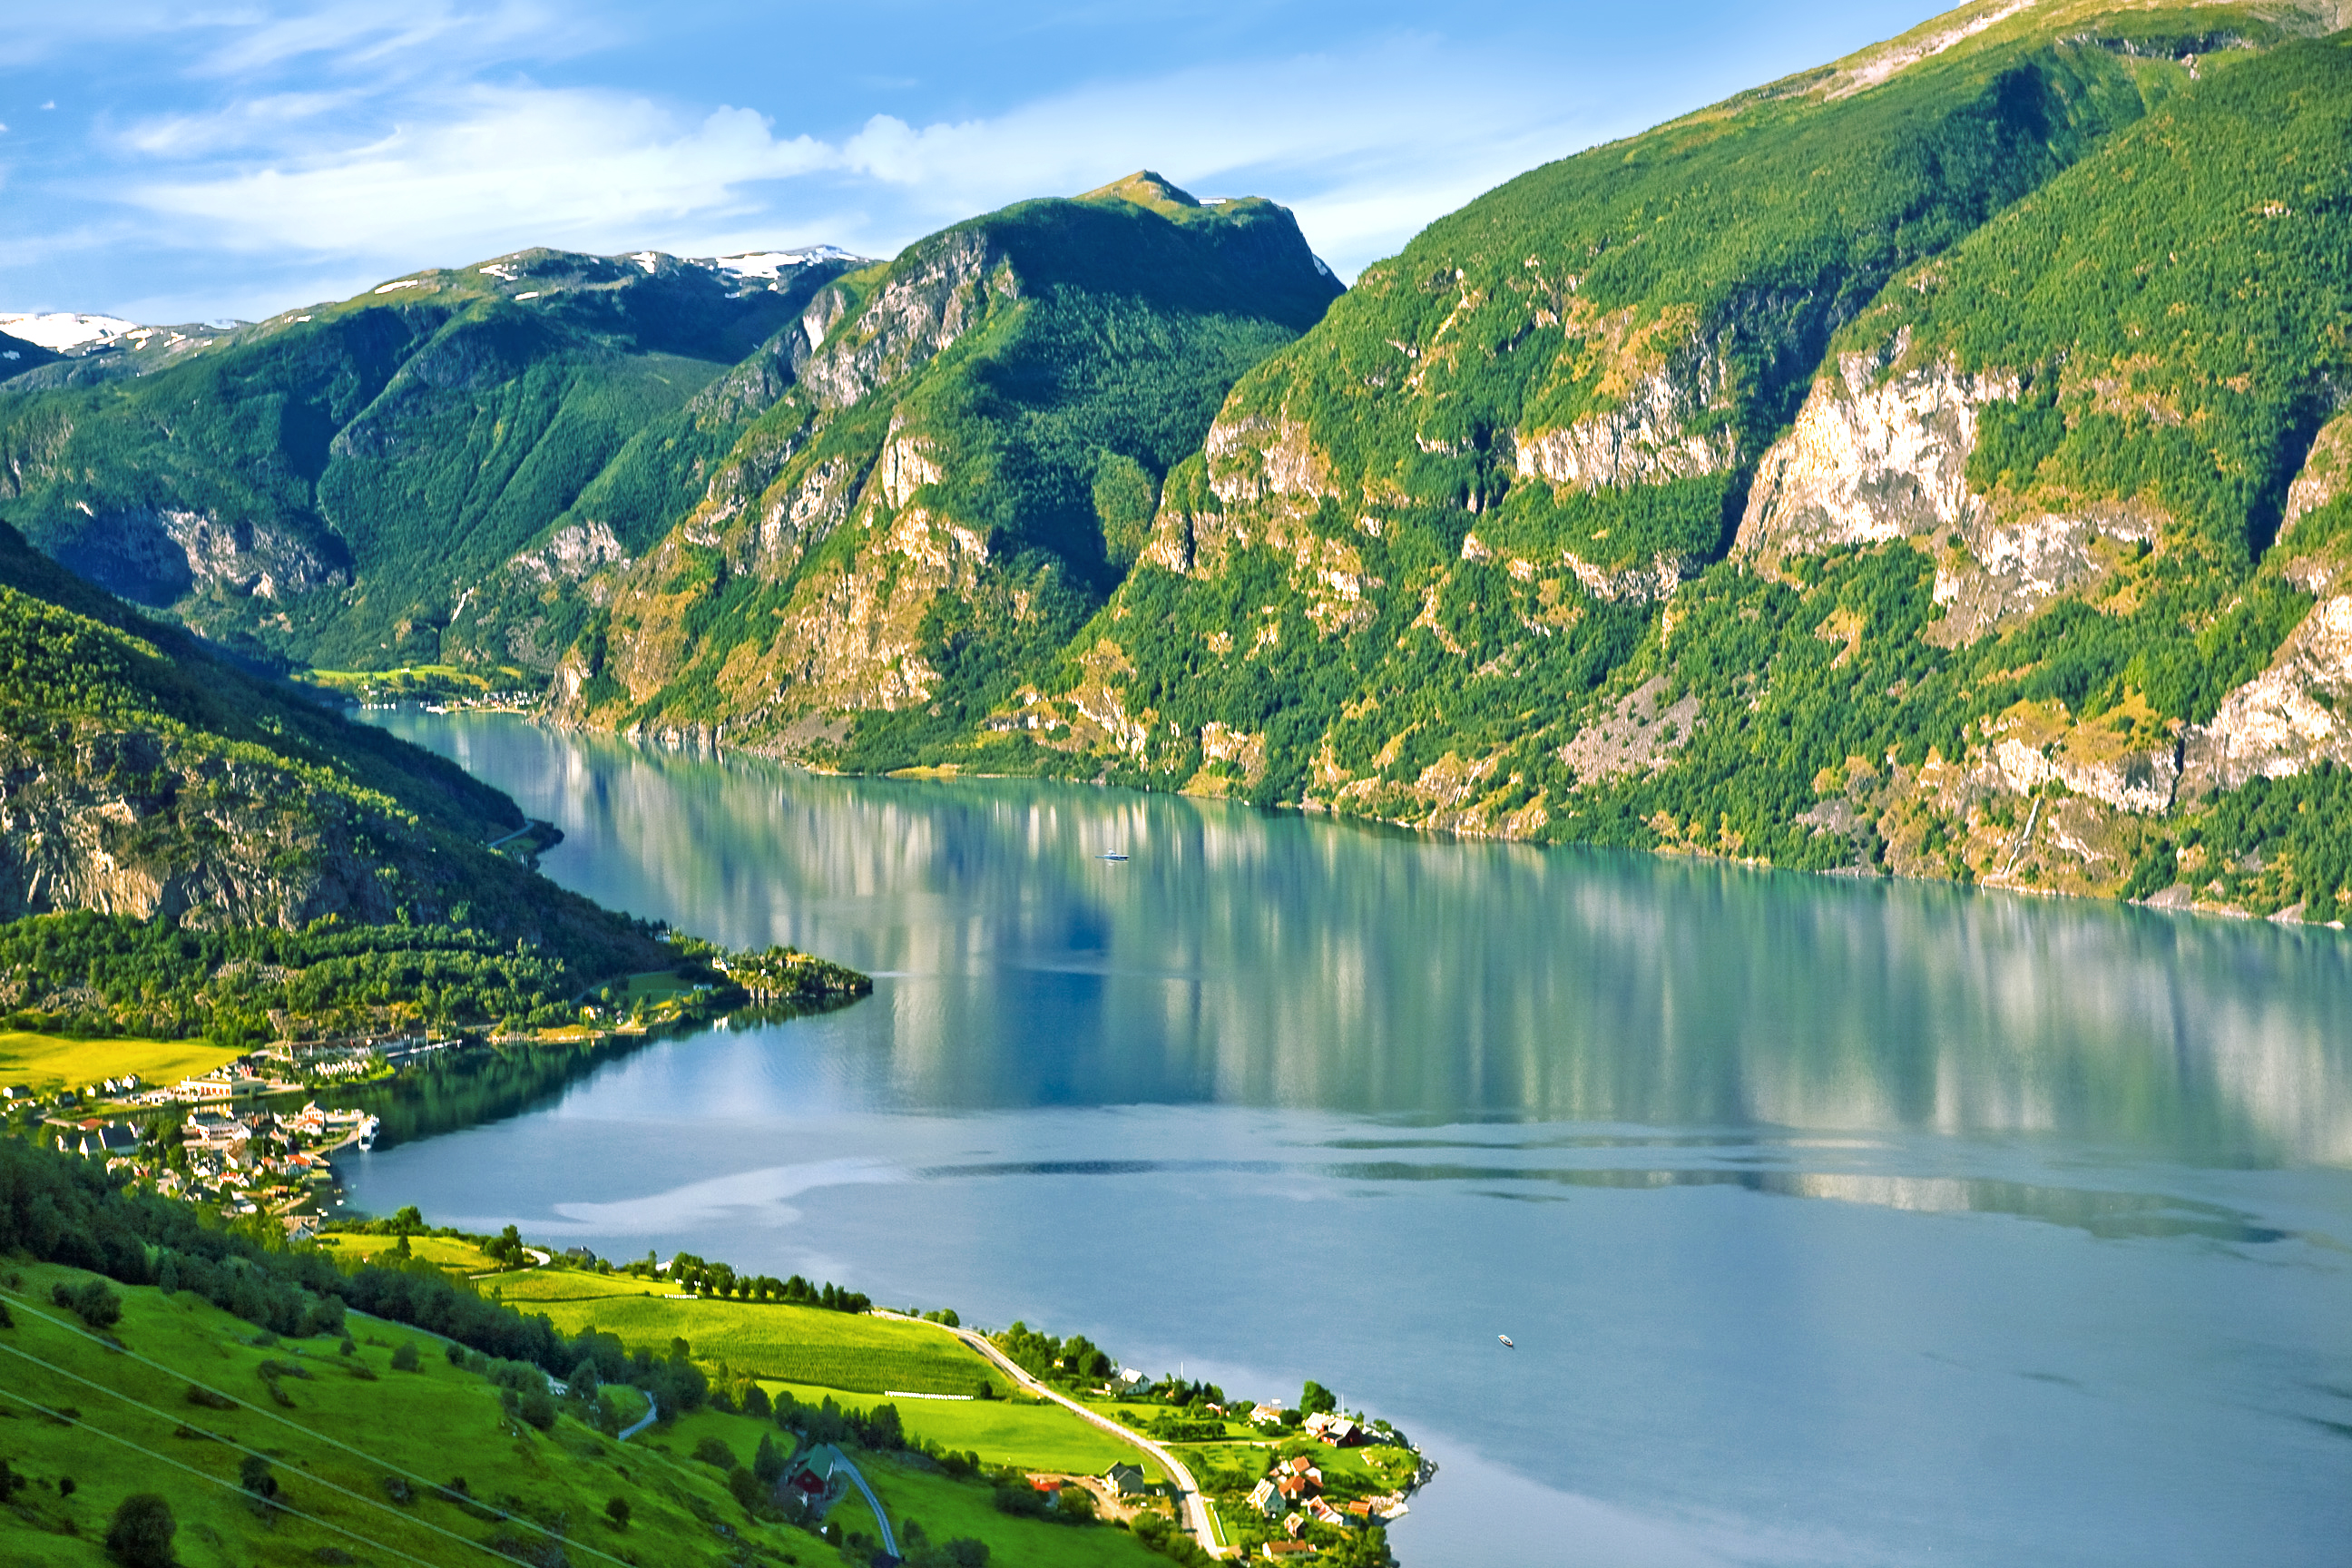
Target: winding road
<point>1192,1506</point>
<point>881,1519</point>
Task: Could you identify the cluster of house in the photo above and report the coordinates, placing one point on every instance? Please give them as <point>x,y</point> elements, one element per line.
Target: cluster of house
<point>250,1160</point>
<point>1292,1493</point>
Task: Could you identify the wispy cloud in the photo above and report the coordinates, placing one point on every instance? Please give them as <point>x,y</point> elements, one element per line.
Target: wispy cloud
<point>482,169</point>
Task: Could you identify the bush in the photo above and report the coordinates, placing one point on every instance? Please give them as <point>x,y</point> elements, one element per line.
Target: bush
<point>254,1475</point>
<point>90,1301</point>
<point>405,1357</point>
<point>140,1534</point>
<point>537,1408</point>
<point>711,1451</point>
<point>617,1510</point>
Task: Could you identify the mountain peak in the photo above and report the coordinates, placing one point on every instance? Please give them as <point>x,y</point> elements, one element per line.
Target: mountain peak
<point>1147,189</point>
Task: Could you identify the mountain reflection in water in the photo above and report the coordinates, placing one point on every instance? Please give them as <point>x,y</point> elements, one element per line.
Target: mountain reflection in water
<point>1832,1221</point>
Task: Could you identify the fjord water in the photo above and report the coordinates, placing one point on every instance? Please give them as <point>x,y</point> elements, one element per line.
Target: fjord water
<point>1833,1221</point>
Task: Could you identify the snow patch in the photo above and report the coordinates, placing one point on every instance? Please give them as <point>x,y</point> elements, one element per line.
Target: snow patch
<point>773,264</point>
<point>532,295</point>
<point>57,330</point>
<point>405,283</point>
<point>649,260</point>
<point>499,270</point>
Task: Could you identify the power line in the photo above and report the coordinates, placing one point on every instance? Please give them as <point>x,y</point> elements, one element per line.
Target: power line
<point>228,1442</point>
<point>203,1476</point>
<point>306,1431</point>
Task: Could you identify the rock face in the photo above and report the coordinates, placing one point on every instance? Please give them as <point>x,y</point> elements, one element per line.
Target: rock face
<point>2289,718</point>
<point>134,823</point>
<point>1670,426</point>
<point>925,305</point>
<point>926,472</point>
<point>2326,474</point>
<point>160,555</point>
<point>1871,458</point>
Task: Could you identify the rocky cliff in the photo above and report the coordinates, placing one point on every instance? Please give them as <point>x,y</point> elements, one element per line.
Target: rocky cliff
<point>966,462</point>
<point>141,776</point>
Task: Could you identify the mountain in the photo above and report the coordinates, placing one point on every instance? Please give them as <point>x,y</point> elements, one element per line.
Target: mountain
<point>336,485</point>
<point>1932,463</point>
<point>141,778</point>
<point>960,471</point>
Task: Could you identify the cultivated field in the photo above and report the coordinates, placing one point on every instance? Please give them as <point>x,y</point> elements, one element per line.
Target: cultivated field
<point>1034,1436</point>
<point>843,1351</point>
<point>50,1061</point>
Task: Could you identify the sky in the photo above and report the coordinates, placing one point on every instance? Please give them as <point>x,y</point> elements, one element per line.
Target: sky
<point>172,163</point>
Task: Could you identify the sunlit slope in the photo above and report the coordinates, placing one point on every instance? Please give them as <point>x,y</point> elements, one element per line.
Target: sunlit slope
<point>338,484</point>
<point>1464,555</point>
<point>142,777</point>
<point>962,470</point>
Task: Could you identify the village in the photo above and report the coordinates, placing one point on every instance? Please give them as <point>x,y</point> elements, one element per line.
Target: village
<point>211,1140</point>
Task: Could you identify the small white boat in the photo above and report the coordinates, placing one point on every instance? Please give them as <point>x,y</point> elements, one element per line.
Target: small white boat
<point>1112,854</point>
<point>367,1133</point>
<point>1507,1341</point>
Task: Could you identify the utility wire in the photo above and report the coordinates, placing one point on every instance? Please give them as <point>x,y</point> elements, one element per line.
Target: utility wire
<point>298,1427</point>
<point>228,1442</point>
<point>204,1476</point>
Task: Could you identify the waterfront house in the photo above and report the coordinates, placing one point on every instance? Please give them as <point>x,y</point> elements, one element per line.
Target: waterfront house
<point>1322,1513</point>
<point>1288,1551</point>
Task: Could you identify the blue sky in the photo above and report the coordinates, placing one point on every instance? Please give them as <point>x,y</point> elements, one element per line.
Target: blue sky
<point>174,162</point>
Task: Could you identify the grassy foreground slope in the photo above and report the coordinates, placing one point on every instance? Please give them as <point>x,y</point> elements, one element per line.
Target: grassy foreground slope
<point>370,1460</point>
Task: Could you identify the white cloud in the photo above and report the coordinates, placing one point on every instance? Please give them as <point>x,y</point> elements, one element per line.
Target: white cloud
<point>480,170</point>
<point>496,167</point>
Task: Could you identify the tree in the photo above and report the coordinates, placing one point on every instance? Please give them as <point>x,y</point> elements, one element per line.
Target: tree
<point>537,1407</point>
<point>768,1463</point>
<point>617,1510</point>
<point>1318,1400</point>
<point>408,1221</point>
<point>140,1534</point>
<point>254,1476</point>
<point>405,1357</point>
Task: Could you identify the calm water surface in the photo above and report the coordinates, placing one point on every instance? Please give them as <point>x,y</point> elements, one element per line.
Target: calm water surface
<point>1835,1222</point>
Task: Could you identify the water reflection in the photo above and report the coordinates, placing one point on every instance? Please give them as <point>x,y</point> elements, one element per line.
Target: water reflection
<point>1243,959</point>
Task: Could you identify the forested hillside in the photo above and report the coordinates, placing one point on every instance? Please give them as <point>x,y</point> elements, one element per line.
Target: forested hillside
<point>359,484</point>
<point>1890,468</point>
<point>1934,462</point>
<point>149,792</point>
<point>966,466</point>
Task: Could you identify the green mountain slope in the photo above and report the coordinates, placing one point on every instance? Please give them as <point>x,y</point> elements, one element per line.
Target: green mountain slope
<point>965,467</point>
<point>1888,466</point>
<point>335,485</point>
<point>144,781</point>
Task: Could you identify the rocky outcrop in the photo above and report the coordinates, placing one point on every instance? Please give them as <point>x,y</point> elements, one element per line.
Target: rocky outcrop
<point>162,827</point>
<point>1870,459</point>
<point>572,554</point>
<point>1672,423</point>
<point>2326,474</point>
<point>932,299</point>
<point>1638,734</point>
<point>2293,716</point>
<point>1256,458</point>
<point>161,556</point>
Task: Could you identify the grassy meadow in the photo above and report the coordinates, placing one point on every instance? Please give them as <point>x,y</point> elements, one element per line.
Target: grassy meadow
<point>843,1351</point>
<point>52,1061</point>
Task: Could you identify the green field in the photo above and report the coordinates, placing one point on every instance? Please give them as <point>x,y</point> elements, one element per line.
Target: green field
<point>51,1061</point>
<point>430,1426</point>
<point>463,1256</point>
<point>946,1508</point>
<point>839,1350</point>
<point>1029,1436</point>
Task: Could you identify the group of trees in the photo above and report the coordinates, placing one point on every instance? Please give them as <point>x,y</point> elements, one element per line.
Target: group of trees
<point>706,1278</point>
<point>1075,1359</point>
